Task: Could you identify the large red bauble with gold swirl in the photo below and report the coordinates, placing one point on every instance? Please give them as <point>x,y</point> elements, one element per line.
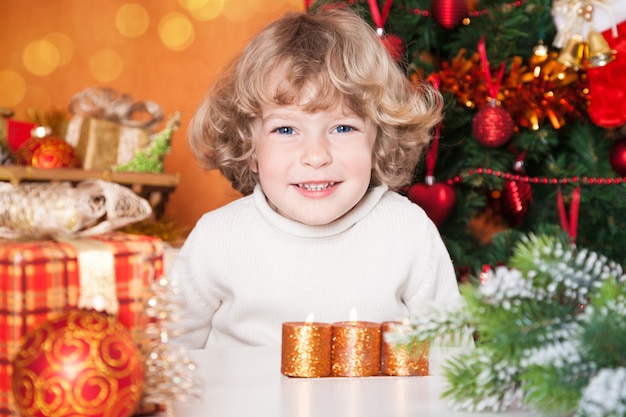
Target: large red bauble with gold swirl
<point>47,152</point>
<point>82,363</point>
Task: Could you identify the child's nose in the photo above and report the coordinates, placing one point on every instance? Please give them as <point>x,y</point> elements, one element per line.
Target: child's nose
<point>316,152</point>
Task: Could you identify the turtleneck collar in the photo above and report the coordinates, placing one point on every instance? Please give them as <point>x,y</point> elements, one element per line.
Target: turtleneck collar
<point>338,226</point>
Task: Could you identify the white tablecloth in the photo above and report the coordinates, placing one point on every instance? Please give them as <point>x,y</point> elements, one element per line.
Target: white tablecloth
<point>246,382</point>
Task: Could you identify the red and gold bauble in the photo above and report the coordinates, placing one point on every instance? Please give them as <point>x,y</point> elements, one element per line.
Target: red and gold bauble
<point>492,126</point>
<point>449,13</point>
<point>47,151</point>
<point>82,363</point>
<point>437,200</point>
<point>617,157</point>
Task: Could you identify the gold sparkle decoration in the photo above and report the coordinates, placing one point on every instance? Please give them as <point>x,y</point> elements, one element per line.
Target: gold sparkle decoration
<point>306,349</point>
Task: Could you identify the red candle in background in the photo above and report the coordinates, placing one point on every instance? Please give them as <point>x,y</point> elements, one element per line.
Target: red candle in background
<point>306,349</point>
<point>403,359</point>
<point>355,348</point>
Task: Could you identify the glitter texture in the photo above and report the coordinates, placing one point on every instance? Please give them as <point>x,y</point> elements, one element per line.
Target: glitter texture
<point>306,350</point>
<point>403,360</point>
<point>356,348</point>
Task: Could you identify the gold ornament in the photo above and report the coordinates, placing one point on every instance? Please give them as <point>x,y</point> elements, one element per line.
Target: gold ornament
<point>599,51</point>
<point>573,53</point>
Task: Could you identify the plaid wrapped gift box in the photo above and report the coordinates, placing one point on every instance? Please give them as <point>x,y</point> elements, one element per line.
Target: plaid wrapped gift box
<point>39,279</point>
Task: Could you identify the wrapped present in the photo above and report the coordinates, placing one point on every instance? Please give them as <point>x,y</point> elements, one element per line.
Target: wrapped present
<point>106,128</point>
<point>40,279</point>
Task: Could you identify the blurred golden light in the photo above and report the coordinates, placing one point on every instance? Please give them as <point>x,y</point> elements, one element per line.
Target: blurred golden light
<point>176,31</point>
<point>12,88</point>
<point>209,10</point>
<point>132,20</point>
<point>238,11</point>
<point>106,65</point>
<point>264,6</point>
<point>41,57</point>
<point>193,4</point>
<point>64,45</point>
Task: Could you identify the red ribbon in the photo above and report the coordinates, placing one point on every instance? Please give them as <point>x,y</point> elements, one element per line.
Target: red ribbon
<point>572,226</point>
<point>431,151</point>
<point>491,86</point>
<point>378,18</point>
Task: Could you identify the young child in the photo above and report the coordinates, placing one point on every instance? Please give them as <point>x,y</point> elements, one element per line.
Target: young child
<point>315,124</point>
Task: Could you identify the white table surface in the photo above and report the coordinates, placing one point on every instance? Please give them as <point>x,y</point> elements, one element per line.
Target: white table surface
<point>240,382</point>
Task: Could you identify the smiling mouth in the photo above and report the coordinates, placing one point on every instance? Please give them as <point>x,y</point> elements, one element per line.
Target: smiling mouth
<point>316,187</point>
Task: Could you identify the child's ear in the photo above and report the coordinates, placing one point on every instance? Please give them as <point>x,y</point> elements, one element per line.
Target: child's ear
<point>252,164</point>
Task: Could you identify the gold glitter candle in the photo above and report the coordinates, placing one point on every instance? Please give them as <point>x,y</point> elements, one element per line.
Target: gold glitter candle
<point>306,349</point>
<point>356,348</point>
<point>403,360</point>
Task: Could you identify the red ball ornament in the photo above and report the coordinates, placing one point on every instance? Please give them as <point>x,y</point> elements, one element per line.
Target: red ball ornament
<point>617,157</point>
<point>517,198</point>
<point>437,200</point>
<point>83,363</point>
<point>47,152</point>
<point>448,13</point>
<point>492,126</point>
<point>394,45</point>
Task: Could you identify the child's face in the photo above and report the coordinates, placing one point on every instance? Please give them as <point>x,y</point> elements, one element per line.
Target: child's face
<point>313,167</point>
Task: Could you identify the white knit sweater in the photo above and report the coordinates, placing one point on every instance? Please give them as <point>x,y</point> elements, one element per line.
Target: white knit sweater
<point>245,269</point>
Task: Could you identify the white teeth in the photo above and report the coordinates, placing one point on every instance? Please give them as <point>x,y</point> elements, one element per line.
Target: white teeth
<point>316,187</point>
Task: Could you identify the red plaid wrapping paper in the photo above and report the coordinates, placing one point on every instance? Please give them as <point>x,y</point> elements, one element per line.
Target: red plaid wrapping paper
<point>39,279</point>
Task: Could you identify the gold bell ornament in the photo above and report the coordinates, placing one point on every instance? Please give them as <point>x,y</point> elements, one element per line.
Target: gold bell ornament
<point>573,53</point>
<point>599,53</point>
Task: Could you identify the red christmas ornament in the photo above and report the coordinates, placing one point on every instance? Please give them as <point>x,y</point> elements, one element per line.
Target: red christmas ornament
<point>394,45</point>
<point>516,200</point>
<point>83,363</point>
<point>448,13</point>
<point>492,126</point>
<point>437,200</point>
<point>47,152</point>
<point>617,157</point>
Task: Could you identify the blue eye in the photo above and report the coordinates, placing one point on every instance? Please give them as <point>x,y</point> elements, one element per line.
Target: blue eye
<point>344,129</point>
<point>284,130</point>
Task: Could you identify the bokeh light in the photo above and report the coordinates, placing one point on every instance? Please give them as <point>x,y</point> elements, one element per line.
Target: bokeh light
<point>176,31</point>
<point>12,88</point>
<point>41,57</point>
<point>64,45</point>
<point>132,20</point>
<point>263,6</point>
<point>206,10</point>
<point>238,11</point>
<point>106,65</point>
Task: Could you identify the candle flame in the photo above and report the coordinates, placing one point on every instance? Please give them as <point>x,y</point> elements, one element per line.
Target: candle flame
<point>405,322</point>
<point>353,316</point>
<point>310,318</point>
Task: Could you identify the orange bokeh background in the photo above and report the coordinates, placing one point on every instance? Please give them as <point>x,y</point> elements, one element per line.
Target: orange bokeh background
<point>168,51</point>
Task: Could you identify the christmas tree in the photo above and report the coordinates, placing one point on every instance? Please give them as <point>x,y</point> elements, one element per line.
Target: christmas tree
<point>533,138</point>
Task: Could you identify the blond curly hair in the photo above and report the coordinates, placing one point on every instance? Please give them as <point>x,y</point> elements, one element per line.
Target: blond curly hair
<point>338,54</point>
